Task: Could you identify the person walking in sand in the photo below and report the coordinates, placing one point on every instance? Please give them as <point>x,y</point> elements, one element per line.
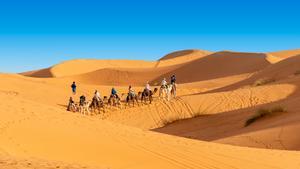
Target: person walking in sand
<point>73,86</point>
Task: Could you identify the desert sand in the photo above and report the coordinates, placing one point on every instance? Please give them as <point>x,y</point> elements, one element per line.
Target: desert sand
<point>204,127</point>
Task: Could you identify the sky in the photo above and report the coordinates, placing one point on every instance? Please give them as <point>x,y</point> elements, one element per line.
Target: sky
<point>39,34</point>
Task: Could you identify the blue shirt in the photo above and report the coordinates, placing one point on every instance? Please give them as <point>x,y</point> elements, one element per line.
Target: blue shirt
<point>113,91</point>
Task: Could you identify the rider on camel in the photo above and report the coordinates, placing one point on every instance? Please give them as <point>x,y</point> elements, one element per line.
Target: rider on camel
<point>131,91</point>
<point>97,96</point>
<point>164,83</point>
<point>71,104</point>
<point>173,79</point>
<point>81,100</point>
<point>114,93</point>
<point>147,88</point>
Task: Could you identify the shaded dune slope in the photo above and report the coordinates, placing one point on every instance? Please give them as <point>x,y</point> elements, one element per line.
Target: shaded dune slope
<point>217,65</point>
<point>285,69</point>
<point>42,73</point>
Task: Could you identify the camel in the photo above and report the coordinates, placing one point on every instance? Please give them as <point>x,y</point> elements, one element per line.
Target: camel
<point>148,95</point>
<point>97,105</point>
<point>72,107</point>
<point>85,108</point>
<point>174,90</point>
<point>167,91</point>
<point>132,98</point>
<point>113,100</point>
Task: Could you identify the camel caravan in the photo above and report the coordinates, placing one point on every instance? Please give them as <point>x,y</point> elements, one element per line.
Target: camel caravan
<point>99,104</point>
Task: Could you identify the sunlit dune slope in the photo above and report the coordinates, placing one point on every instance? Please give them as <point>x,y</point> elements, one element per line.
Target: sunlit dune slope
<point>75,67</point>
<point>286,53</point>
<point>180,57</point>
<point>278,56</point>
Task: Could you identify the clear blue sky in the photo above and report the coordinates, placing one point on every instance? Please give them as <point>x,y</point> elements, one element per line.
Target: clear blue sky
<point>37,34</point>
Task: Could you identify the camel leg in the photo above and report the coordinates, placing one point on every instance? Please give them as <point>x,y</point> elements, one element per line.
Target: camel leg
<point>160,94</point>
<point>88,111</point>
<point>80,110</point>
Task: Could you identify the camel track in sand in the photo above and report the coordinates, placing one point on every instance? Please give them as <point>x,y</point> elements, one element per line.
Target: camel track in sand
<point>158,114</point>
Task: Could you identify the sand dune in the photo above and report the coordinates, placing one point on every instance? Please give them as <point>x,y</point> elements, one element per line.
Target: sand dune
<point>185,53</point>
<point>274,57</point>
<point>206,67</point>
<point>82,66</point>
<point>283,69</point>
<point>202,128</point>
<point>217,65</point>
<point>75,67</point>
<point>42,73</point>
<point>181,57</point>
<point>275,73</point>
<point>121,76</point>
<point>286,53</point>
<point>44,131</point>
<point>265,133</point>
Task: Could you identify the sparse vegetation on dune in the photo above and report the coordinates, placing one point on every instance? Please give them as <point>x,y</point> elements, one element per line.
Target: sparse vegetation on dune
<point>168,121</point>
<point>261,113</point>
<point>263,81</point>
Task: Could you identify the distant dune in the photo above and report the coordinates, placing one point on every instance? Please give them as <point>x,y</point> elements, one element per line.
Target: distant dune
<point>275,57</point>
<point>286,53</point>
<point>82,66</point>
<point>42,73</point>
<point>121,76</point>
<point>189,66</point>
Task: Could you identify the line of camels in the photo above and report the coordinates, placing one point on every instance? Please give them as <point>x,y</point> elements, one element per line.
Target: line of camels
<point>96,106</point>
